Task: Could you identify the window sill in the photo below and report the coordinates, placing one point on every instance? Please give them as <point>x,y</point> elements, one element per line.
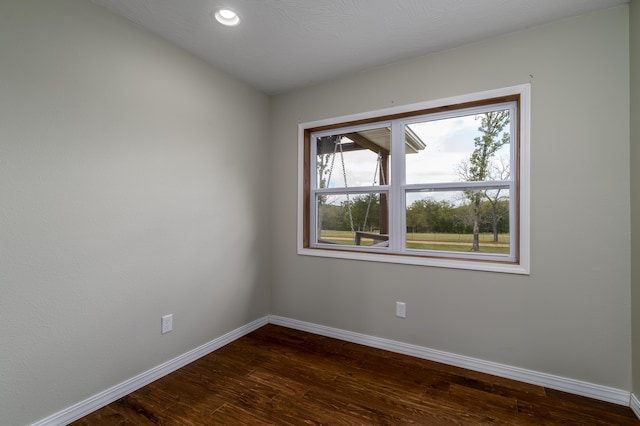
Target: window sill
<point>487,266</point>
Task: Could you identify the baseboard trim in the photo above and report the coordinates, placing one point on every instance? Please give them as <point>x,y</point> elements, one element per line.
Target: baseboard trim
<point>106,397</point>
<point>577,387</point>
<point>635,405</point>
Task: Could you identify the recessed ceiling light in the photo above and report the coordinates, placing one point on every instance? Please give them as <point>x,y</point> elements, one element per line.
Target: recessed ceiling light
<point>227,17</point>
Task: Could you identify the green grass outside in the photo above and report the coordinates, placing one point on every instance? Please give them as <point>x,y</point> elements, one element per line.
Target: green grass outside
<point>459,248</point>
<point>433,241</point>
<point>486,237</point>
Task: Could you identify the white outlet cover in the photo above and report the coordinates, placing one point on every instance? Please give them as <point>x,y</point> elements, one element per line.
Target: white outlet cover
<point>401,309</point>
<point>167,323</point>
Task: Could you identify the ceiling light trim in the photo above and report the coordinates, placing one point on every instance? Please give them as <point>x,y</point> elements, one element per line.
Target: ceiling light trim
<point>227,17</point>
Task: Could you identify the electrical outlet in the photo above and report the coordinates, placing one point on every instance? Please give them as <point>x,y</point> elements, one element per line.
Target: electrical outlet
<point>401,309</point>
<point>167,323</point>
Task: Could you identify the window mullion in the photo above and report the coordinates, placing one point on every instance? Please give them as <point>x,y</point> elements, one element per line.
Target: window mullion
<point>396,195</point>
<point>352,190</point>
<point>447,186</point>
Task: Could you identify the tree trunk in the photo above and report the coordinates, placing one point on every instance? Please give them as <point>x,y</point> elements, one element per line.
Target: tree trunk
<point>476,225</point>
<point>495,221</point>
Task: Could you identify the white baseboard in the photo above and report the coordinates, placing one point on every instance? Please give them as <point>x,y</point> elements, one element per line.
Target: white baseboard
<point>603,393</point>
<point>106,397</point>
<point>635,405</point>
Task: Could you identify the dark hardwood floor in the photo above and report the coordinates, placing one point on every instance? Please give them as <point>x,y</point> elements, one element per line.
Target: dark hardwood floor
<point>279,376</point>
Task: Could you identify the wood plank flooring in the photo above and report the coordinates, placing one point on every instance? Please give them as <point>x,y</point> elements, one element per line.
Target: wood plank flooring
<point>279,376</point>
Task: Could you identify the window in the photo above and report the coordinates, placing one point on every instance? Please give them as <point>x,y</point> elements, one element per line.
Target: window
<point>442,183</point>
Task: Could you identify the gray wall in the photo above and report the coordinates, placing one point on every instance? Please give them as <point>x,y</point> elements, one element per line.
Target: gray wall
<point>129,175</point>
<point>129,188</point>
<point>571,316</point>
<point>634,27</point>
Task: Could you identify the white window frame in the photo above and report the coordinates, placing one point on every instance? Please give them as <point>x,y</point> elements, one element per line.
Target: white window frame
<point>397,252</point>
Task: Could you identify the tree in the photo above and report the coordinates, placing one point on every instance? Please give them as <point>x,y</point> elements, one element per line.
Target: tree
<point>431,216</point>
<point>332,217</point>
<point>364,211</point>
<point>478,168</point>
<point>499,209</point>
<point>417,216</point>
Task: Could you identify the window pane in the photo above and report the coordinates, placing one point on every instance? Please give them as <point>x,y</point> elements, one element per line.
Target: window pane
<point>353,159</point>
<point>445,221</point>
<point>466,148</point>
<point>353,219</point>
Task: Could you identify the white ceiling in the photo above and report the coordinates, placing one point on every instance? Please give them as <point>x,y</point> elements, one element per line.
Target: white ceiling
<point>285,44</point>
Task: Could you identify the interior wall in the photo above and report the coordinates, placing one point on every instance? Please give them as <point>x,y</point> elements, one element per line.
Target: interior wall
<point>634,49</point>
<point>571,316</point>
<point>129,188</point>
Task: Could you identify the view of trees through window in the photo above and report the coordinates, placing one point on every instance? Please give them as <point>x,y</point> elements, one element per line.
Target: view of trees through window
<point>472,148</point>
<point>456,189</point>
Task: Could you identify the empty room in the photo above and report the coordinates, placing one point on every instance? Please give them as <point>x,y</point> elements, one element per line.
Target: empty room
<point>319,212</point>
